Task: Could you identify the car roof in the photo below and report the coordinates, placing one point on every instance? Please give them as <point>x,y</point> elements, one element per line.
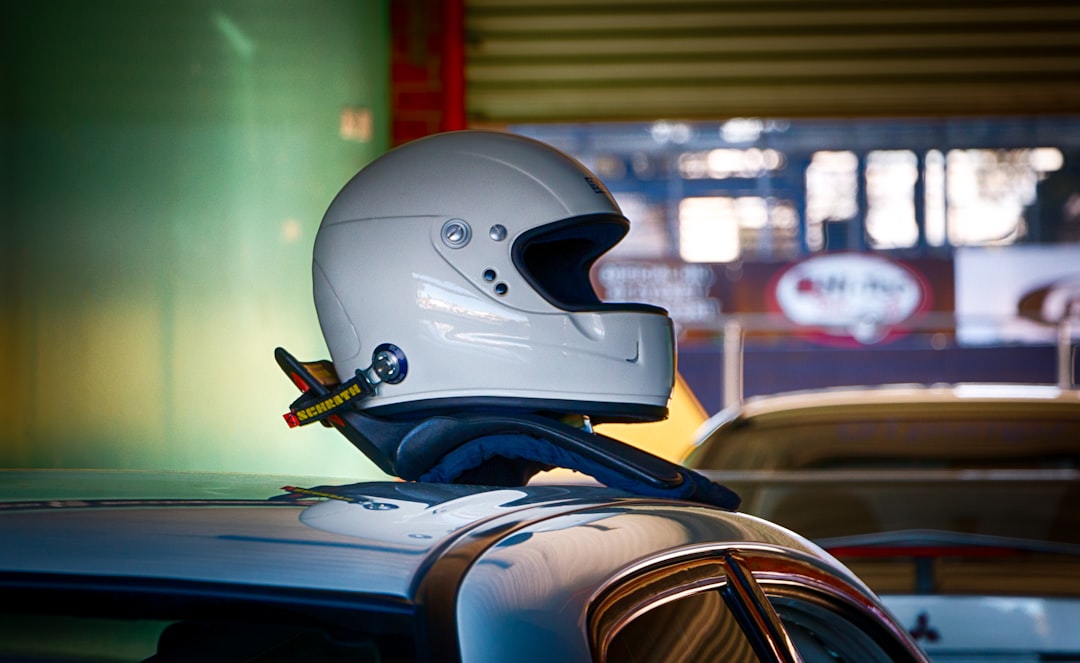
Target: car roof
<point>20,485</point>
<point>377,538</point>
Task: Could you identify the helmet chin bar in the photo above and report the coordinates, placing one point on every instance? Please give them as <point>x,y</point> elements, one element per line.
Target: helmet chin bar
<point>485,448</point>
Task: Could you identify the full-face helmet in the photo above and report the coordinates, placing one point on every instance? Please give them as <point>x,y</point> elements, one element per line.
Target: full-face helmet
<point>454,272</point>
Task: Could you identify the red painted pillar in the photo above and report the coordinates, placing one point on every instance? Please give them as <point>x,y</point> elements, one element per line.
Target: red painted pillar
<point>453,65</point>
<point>427,74</point>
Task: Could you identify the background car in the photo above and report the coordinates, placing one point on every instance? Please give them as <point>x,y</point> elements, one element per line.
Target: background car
<point>959,505</point>
<point>129,566</point>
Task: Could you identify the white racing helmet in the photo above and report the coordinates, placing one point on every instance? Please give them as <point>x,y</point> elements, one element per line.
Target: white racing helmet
<point>453,271</point>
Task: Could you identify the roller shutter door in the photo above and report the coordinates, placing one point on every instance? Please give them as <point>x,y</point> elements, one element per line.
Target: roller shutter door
<point>601,60</point>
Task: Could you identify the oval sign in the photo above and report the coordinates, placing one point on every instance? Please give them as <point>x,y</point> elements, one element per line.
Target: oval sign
<point>849,294</point>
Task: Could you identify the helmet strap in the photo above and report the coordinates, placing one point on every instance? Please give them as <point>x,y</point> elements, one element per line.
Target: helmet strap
<point>378,439</point>
<point>313,406</point>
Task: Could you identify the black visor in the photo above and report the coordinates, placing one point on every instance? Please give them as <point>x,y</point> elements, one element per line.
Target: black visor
<point>556,259</point>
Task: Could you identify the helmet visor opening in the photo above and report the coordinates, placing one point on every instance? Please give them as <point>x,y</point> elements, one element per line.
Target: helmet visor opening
<point>556,258</point>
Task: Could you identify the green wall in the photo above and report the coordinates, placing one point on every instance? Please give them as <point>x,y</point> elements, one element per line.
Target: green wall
<point>165,168</point>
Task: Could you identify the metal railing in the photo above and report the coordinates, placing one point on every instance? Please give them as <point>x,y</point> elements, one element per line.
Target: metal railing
<point>735,327</point>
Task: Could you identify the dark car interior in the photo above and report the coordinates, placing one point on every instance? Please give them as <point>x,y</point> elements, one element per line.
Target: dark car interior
<point>57,620</point>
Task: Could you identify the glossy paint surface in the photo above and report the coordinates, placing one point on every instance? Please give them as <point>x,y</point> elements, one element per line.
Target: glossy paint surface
<point>367,537</point>
<point>493,574</point>
<point>371,537</point>
<point>533,588</point>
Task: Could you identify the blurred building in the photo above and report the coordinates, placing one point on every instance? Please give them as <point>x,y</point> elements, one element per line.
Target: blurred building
<point>165,168</point>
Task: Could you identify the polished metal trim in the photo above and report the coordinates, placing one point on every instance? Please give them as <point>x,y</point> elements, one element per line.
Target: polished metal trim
<point>754,607</point>
<point>749,574</point>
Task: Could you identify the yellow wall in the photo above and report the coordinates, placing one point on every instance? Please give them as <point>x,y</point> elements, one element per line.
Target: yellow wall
<point>670,438</point>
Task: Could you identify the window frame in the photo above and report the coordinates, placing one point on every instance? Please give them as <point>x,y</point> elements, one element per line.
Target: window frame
<point>747,578</point>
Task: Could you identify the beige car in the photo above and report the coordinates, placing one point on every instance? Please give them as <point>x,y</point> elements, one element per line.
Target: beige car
<point>959,504</point>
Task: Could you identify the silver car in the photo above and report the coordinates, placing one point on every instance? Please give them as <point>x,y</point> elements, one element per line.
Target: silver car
<point>129,566</point>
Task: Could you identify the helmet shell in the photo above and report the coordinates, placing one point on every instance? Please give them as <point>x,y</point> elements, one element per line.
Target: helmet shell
<point>470,252</point>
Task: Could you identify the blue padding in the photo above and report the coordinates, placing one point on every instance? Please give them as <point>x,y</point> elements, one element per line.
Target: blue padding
<point>474,453</point>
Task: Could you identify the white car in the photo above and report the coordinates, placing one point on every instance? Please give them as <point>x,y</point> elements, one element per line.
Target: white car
<point>959,505</point>
<point>129,566</point>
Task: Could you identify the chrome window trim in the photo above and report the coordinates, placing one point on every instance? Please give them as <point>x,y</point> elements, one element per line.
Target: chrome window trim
<point>759,618</point>
<point>857,600</point>
<point>603,629</point>
<point>664,579</point>
<point>748,574</point>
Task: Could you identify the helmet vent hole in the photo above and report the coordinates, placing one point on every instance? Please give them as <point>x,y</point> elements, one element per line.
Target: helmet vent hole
<point>501,289</point>
<point>490,275</point>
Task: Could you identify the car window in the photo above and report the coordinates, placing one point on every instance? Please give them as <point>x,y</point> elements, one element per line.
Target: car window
<point>698,627</point>
<point>985,439</point>
<point>825,635</point>
<point>1039,507</point>
<point>984,469</point>
<point>70,619</point>
<point>59,638</point>
<point>63,639</point>
<point>718,609</point>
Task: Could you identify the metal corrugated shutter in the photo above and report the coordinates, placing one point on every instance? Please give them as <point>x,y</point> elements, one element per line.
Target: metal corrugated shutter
<point>595,60</point>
